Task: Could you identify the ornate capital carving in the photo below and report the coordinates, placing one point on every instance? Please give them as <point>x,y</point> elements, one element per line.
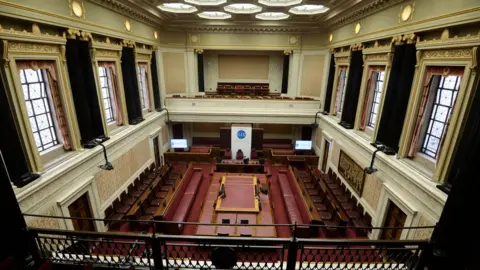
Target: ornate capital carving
<point>128,43</point>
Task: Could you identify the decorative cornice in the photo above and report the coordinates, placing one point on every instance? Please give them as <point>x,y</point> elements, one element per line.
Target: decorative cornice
<point>240,29</point>
<point>128,11</point>
<point>37,37</point>
<point>360,12</point>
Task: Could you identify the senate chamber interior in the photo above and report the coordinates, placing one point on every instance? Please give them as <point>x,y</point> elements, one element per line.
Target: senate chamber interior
<point>214,134</point>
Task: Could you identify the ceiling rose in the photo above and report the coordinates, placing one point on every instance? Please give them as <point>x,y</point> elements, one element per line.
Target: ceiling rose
<point>243,8</point>
<point>206,2</point>
<point>214,15</point>
<point>308,9</point>
<point>279,3</point>
<point>272,16</point>
<point>177,8</point>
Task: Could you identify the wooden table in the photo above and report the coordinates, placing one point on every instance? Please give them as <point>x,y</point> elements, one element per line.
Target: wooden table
<point>239,167</point>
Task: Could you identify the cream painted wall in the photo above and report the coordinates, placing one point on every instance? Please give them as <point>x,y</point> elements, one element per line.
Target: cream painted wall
<point>97,19</point>
<point>417,196</point>
<point>428,14</point>
<point>130,150</point>
<point>212,72</point>
<point>312,75</point>
<point>174,72</point>
<point>243,41</point>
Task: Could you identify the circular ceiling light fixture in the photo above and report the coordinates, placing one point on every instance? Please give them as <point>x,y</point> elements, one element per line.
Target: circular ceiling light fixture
<point>406,13</point>
<point>308,9</point>
<point>330,38</point>
<point>177,8</point>
<point>214,15</point>
<point>243,8</point>
<point>279,3</point>
<point>206,2</point>
<point>272,16</point>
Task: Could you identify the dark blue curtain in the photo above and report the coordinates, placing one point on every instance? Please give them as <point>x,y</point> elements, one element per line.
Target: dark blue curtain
<point>397,96</point>
<point>11,145</point>
<point>201,78</point>
<point>286,67</point>
<point>84,92</point>
<point>352,90</point>
<point>156,88</point>
<point>130,85</point>
<point>331,78</point>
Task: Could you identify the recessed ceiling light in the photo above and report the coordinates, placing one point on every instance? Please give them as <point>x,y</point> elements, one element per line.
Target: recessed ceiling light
<point>214,15</point>
<point>177,8</point>
<point>272,16</point>
<point>206,2</point>
<point>243,8</point>
<point>279,3</point>
<point>308,9</point>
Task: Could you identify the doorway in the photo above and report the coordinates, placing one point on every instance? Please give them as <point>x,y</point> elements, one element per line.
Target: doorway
<point>395,218</point>
<point>156,152</point>
<point>81,208</point>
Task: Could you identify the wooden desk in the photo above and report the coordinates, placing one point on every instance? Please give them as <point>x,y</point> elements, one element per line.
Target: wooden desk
<point>146,193</point>
<point>310,205</point>
<point>333,200</point>
<point>171,193</point>
<point>240,168</point>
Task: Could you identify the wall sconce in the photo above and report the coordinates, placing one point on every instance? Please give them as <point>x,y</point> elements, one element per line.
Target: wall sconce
<point>370,170</point>
<point>315,124</point>
<point>107,166</point>
<point>168,122</point>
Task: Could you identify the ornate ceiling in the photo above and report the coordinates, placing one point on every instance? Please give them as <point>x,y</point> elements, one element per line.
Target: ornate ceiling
<point>247,15</point>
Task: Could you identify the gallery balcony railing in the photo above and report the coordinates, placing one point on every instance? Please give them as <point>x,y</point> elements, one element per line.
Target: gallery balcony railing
<point>159,251</point>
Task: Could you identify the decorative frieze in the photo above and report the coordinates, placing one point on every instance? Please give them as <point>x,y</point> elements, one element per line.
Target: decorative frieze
<point>32,47</point>
<point>351,172</point>
<point>447,54</point>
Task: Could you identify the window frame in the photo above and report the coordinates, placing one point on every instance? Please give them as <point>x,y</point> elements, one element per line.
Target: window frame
<point>111,53</point>
<point>436,171</point>
<point>110,89</point>
<point>375,57</point>
<point>47,52</point>
<point>143,56</point>
<point>338,70</point>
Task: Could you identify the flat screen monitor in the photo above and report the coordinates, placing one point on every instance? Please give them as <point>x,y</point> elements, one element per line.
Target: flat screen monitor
<point>303,145</point>
<point>178,143</point>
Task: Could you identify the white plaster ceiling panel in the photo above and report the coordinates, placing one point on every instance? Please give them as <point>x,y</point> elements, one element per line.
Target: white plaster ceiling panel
<point>245,8</point>
<point>308,9</point>
<point>206,2</point>
<point>279,3</point>
<point>214,15</point>
<point>272,16</point>
<point>177,8</point>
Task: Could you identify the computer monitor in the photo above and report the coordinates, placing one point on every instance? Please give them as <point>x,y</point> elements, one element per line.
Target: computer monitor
<point>303,145</point>
<point>178,143</point>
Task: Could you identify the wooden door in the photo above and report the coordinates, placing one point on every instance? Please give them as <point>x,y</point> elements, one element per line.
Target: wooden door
<point>326,150</point>
<point>81,208</point>
<point>395,218</point>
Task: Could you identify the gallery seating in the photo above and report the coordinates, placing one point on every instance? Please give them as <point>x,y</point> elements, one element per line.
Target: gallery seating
<point>251,89</point>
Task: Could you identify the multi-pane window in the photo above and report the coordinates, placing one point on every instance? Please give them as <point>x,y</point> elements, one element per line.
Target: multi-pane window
<point>142,82</point>
<point>107,94</point>
<point>340,91</point>
<point>39,108</point>
<point>375,100</point>
<point>444,93</point>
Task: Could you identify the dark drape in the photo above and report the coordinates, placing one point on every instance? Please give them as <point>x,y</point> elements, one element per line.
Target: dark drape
<point>257,138</point>
<point>84,91</point>
<point>225,137</point>
<point>352,91</point>
<point>286,67</point>
<point>397,95</point>
<point>307,133</point>
<point>201,78</point>
<point>130,84</point>
<point>462,185</point>
<point>11,145</point>
<point>331,78</point>
<point>156,88</point>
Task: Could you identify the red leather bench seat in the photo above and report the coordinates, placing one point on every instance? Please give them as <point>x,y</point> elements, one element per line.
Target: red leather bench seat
<point>290,204</point>
<point>185,204</point>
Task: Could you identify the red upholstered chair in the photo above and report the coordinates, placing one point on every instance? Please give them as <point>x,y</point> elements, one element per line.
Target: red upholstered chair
<point>239,155</point>
<point>253,154</point>
<point>227,154</point>
<point>119,207</point>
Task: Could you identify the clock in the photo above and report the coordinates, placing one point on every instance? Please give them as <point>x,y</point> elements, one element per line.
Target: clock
<point>406,13</point>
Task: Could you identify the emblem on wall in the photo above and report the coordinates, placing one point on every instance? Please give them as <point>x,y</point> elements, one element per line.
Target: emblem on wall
<point>241,134</point>
<point>351,172</point>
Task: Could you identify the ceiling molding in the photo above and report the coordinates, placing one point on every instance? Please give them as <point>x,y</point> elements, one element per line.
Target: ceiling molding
<point>351,15</point>
<point>117,6</point>
<point>238,29</point>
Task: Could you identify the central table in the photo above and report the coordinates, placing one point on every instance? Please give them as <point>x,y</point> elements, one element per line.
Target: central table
<point>240,194</point>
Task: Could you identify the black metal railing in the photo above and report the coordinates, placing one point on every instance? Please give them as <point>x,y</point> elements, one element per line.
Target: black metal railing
<point>158,251</point>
